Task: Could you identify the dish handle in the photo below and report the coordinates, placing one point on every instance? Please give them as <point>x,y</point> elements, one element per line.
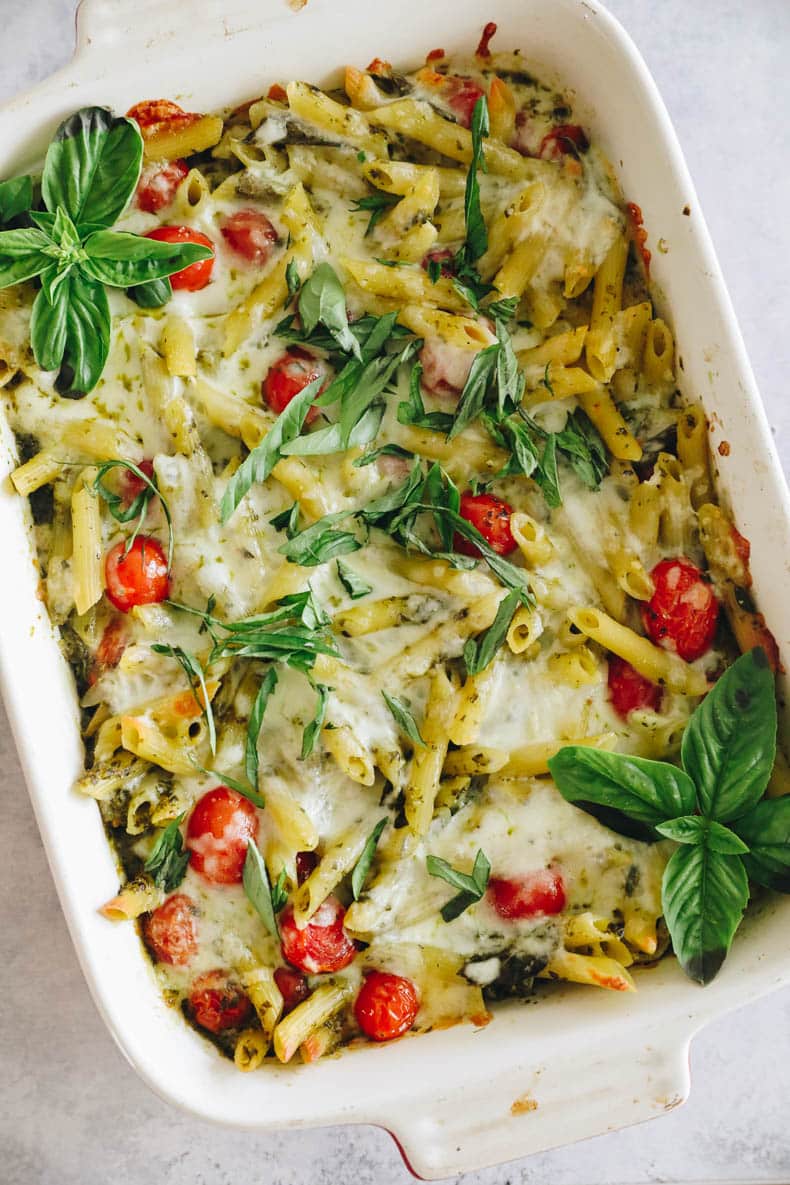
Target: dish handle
<point>127,26</point>
<point>543,1106</point>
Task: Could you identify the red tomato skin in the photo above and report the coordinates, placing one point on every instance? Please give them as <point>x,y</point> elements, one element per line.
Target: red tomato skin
<point>491,516</point>
<point>112,644</point>
<point>538,893</point>
<point>170,931</point>
<point>197,275</point>
<point>220,826</point>
<point>293,986</point>
<point>131,484</point>
<point>322,945</point>
<point>462,99</point>
<point>683,612</point>
<point>158,184</point>
<point>566,139</point>
<point>386,1006</point>
<point>628,690</point>
<point>139,578</point>
<point>443,256</point>
<point>483,50</point>
<point>305,863</point>
<point>289,375</point>
<point>152,114</point>
<point>217,1002</point>
<point>250,233</point>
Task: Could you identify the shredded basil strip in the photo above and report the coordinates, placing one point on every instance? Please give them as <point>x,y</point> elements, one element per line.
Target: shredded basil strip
<point>167,861</point>
<point>254,725</point>
<point>138,507</point>
<point>362,866</point>
<point>403,718</point>
<point>471,887</point>
<point>258,889</point>
<point>197,682</point>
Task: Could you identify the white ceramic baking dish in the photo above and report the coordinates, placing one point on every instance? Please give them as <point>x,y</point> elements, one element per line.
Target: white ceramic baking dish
<point>580,1062</point>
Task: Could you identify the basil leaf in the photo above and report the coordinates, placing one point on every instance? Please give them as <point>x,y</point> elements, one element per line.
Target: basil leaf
<point>138,507</point>
<point>330,439</point>
<point>88,324</point>
<point>704,894</point>
<point>362,866</point>
<point>472,887</point>
<point>354,585</point>
<point>23,254</point>
<point>504,309</point>
<point>258,889</point>
<point>631,795</point>
<point>263,458</point>
<point>693,829</point>
<point>151,295</point>
<point>378,204</point>
<point>311,732</point>
<point>478,652</point>
<point>287,520</point>
<point>292,278</point>
<point>16,197</point>
<point>766,829</point>
<point>386,450</point>
<point>254,726</point>
<point>123,260</point>
<point>582,446</point>
<point>475,389</point>
<point>319,543</point>
<point>48,327</point>
<point>322,300</point>
<point>197,682</point>
<point>92,166</point>
<point>547,476</point>
<point>167,861</point>
<point>413,412</point>
<point>279,892</point>
<point>476,233</point>
<point>729,744</point>
<point>240,787</point>
<point>404,719</point>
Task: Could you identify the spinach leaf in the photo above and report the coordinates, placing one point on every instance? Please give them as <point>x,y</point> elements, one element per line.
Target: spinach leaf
<point>704,894</point>
<point>362,866</point>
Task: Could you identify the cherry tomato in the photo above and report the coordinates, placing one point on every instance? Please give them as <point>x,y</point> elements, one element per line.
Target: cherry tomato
<point>170,932</point>
<point>158,184</point>
<point>112,644</point>
<point>568,139</point>
<point>154,116</point>
<point>629,690</point>
<point>539,892</point>
<point>483,50</point>
<point>137,578</point>
<point>277,93</point>
<point>491,516</point>
<point>462,98</point>
<point>251,234</point>
<point>197,275</point>
<point>289,375</point>
<point>217,1002</point>
<point>322,945</point>
<point>444,256</point>
<point>386,1006</point>
<point>683,611</point>
<point>293,986</point>
<point>219,829</point>
<point>305,863</point>
<point>637,221</point>
<point>131,484</point>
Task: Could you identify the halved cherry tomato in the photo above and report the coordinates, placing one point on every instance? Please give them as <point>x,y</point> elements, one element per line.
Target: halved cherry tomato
<point>293,986</point>
<point>566,139</point>
<point>463,94</point>
<point>491,516</point>
<point>683,612</point>
<point>443,256</point>
<point>170,932</point>
<point>539,892</point>
<point>157,115</point>
<point>137,578</point>
<point>112,644</point>
<point>251,234</point>
<point>628,690</point>
<point>219,829</point>
<point>197,275</point>
<point>131,484</point>
<point>289,375</point>
<point>217,1002</point>
<point>305,863</point>
<point>322,945</point>
<point>386,1006</point>
<point>158,184</point>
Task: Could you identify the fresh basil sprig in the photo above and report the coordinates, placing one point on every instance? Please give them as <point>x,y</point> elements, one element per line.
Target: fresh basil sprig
<point>712,807</point>
<point>90,173</point>
<point>471,887</point>
<point>138,507</point>
<point>167,861</point>
<point>16,197</point>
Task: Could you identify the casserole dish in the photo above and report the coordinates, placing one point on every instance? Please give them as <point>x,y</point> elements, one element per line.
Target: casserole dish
<point>631,1066</point>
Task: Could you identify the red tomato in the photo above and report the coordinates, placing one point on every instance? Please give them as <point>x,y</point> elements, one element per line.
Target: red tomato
<point>293,986</point>
<point>483,50</point>
<point>219,829</point>
<point>462,98</point>
<point>217,1002</point>
<point>158,184</point>
<point>112,644</point>
<point>289,375</point>
<point>386,1006</point>
<point>131,484</point>
<point>322,945</point>
<point>251,234</point>
<point>567,139</point>
<point>170,932</point>
<point>443,256</point>
<point>629,690</point>
<point>197,275</point>
<point>277,93</point>
<point>154,116</point>
<point>539,892</point>
<point>138,578</point>
<point>491,516</point>
<point>305,863</point>
<point>683,611</point>
<point>637,221</point>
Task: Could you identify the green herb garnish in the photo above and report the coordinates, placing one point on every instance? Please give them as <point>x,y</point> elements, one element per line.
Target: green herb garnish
<point>362,866</point>
<point>167,861</point>
<point>138,507</point>
<point>354,585</point>
<point>378,204</point>
<point>471,887</point>
<point>403,718</point>
<point>258,889</point>
<point>313,728</point>
<point>197,681</point>
<point>254,724</point>
<point>479,651</point>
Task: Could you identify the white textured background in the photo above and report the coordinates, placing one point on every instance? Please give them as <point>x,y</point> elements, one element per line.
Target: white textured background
<point>71,1110</point>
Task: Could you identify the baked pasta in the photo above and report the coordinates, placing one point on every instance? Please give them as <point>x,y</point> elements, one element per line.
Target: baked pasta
<point>361,517</point>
